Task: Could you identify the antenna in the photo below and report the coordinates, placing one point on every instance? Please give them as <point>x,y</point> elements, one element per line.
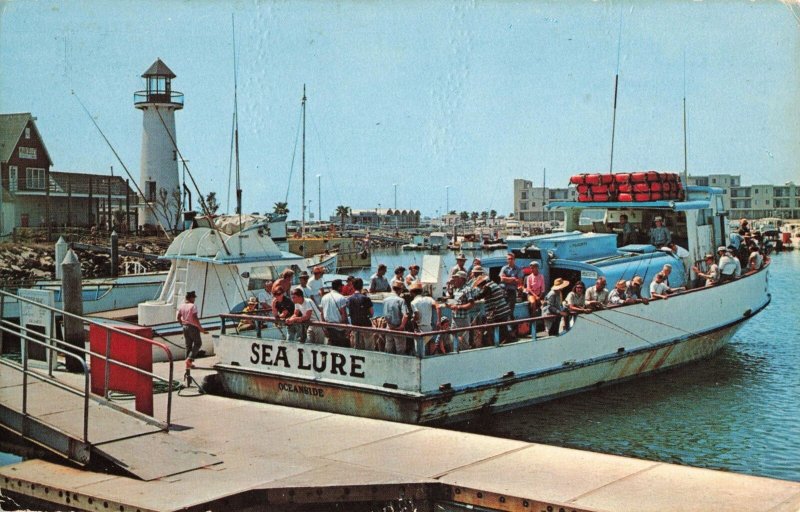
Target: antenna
<point>616,86</point>
<point>544,191</point>
<point>303,179</point>
<point>685,149</point>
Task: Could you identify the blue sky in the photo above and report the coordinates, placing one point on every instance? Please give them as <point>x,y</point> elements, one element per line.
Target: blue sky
<point>427,95</point>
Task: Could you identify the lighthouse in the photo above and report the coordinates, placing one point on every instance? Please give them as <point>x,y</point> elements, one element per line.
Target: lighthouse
<point>158,178</point>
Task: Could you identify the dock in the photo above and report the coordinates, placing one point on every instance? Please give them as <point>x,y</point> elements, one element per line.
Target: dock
<point>224,454</point>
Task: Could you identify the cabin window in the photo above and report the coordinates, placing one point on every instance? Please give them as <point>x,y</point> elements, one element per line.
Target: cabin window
<point>27,133</point>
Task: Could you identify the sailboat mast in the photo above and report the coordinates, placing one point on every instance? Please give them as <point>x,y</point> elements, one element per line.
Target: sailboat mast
<point>236,133</point>
<point>616,87</point>
<point>303,174</point>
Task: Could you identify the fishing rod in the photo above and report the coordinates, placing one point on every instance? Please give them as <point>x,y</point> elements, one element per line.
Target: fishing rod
<point>236,127</point>
<point>203,204</point>
<point>616,86</point>
<point>139,190</point>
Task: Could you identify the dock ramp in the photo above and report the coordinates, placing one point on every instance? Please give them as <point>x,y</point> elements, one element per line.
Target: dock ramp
<point>55,410</point>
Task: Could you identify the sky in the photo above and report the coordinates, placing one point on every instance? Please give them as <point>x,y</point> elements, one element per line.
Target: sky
<point>449,100</point>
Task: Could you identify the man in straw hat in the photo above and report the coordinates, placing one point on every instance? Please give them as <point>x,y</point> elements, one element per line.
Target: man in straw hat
<point>461,259</point>
<point>711,271</point>
<point>554,306</point>
<point>250,308</point>
<point>187,317</point>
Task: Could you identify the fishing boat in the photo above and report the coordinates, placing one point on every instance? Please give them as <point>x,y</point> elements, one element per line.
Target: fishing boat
<point>596,349</point>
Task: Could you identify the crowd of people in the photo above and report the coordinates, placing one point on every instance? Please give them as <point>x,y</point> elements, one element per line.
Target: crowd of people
<point>406,309</point>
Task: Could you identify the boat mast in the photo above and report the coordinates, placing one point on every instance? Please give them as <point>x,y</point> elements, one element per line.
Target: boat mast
<point>236,134</point>
<point>303,178</point>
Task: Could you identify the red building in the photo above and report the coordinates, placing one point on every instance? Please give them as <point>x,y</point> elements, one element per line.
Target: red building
<point>31,193</point>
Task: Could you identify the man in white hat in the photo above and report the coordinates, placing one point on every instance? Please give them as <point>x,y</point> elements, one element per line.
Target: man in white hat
<point>727,265</point>
<point>461,259</point>
<point>660,235</point>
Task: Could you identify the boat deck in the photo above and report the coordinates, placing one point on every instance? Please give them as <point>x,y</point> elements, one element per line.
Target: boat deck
<point>274,456</point>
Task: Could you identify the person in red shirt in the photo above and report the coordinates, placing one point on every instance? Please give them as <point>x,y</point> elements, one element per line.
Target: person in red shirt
<point>187,317</point>
<point>348,289</point>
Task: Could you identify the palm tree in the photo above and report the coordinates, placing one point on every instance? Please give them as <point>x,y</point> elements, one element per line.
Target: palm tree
<point>281,208</point>
<point>493,215</point>
<point>484,216</point>
<point>474,216</point>
<point>464,215</point>
<point>343,211</point>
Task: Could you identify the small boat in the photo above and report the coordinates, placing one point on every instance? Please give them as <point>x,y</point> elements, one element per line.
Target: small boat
<point>418,243</point>
<point>592,350</point>
<point>438,241</point>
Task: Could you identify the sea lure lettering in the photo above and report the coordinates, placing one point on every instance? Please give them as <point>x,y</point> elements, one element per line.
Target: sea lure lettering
<point>318,360</point>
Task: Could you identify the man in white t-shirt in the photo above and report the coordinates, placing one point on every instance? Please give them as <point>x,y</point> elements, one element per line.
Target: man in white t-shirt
<point>305,311</point>
<point>425,311</point>
<point>658,287</point>
<point>307,291</point>
<point>332,307</point>
<point>315,284</point>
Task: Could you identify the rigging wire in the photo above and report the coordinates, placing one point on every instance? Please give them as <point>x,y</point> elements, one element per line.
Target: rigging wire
<point>294,155</point>
<point>203,204</point>
<point>141,194</point>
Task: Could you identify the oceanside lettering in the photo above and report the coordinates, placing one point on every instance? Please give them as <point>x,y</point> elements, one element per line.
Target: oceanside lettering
<point>300,389</point>
<point>318,360</point>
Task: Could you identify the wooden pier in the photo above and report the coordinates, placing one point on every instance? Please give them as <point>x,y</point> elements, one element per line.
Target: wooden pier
<point>255,456</point>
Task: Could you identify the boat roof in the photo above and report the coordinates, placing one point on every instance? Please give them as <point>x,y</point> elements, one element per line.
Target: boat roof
<point>699,198</point>
<point>214,246</point>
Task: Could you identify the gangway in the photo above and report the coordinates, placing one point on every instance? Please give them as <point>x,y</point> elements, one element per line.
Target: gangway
<point>57,411</point>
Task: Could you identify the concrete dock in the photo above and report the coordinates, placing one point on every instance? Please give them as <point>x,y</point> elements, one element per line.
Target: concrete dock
<point>268,457</point>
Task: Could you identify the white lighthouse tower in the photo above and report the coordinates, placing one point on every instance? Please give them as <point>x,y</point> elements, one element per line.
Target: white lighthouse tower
<point>158,179</point>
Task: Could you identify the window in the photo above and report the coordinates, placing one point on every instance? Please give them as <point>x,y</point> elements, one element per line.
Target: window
<point>767,202</point>
<point>523,205</point>
<point>533,204</point>
<point>13,178</point>
<point>755,191</point>
<point>27,133</point>
<point>34,178</point>
<point>523,195</point>
<point>713,181</point>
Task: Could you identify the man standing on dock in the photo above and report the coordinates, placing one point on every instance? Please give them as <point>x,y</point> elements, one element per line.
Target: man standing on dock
<point>187,317</point>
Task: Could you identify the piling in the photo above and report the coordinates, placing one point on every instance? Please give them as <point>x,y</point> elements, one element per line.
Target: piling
<point>114,254</point>
<point>61,252</point>
<point>71,289</point>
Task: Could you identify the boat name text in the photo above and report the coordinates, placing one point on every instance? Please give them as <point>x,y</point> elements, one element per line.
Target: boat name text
<point>320,361</point>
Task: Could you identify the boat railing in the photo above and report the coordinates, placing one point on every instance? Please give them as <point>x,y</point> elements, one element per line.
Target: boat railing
<point>54,347</point>
<point>425,343</point>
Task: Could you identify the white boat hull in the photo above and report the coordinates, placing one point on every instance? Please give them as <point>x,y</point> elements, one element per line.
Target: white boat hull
<point>601,348</point>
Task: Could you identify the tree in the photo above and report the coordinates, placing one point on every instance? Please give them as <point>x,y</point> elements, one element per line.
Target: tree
<point>484,216</point>
<point>463,215</point>
<point>493,215</point>
<point>211,203</point>
<point>474,216</point>
<point>342,212</point>
<point>451,212</point>
<point>281,208</point>
<point>170,206</point>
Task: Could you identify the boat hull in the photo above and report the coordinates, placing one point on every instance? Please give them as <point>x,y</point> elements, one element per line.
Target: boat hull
<point>602,348</point>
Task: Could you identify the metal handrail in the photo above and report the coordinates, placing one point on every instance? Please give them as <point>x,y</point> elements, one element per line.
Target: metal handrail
<point>26,372</point>
<point>105,357</point>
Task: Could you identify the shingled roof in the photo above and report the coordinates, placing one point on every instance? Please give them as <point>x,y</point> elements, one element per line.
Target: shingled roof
<point>158,68</point>
<point>11,129</point>
<point>78,182</point>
